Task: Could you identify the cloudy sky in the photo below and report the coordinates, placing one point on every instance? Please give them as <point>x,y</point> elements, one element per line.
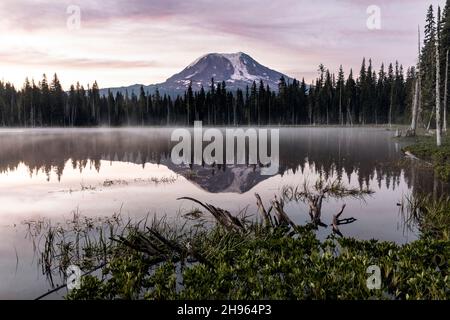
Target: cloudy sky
<point>135,41</point>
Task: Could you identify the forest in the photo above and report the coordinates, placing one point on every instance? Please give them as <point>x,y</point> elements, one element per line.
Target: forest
<point>368,96</point>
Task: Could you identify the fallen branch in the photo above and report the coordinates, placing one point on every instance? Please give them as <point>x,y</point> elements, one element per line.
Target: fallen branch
<point>222,216</point>
<point>266,216</point>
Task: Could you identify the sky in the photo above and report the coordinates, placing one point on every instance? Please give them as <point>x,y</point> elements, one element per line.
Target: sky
<point>119,43</point>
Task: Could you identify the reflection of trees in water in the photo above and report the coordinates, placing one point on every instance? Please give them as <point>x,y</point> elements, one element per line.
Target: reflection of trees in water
<point>50,152</point>
<point>370,154</point>
<point>373,156</point>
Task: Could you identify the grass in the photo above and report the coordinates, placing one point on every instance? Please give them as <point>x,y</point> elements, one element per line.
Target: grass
<point>432,216</point>
<point>424,147</point>
<point>240,257</point>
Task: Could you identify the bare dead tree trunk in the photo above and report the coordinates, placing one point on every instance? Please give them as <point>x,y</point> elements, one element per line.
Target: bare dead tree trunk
<point>431,118</point>
<point>414,109</point>
<point>349,115</point>
<point>390,106</point>
<point>419,98</point>
<point>445,94</point>
<point>416,93</point>
<point>438,82</point>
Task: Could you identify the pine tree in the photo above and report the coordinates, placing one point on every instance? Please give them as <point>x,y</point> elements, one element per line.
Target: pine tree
<point>57,103</point>
<point>351,92</point>
<point>340,89</point>
<point>143,106</point>
<point>44,105</point>
<point>428,65</point>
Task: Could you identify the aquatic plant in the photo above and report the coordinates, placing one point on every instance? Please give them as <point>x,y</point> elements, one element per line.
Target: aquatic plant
<point>432,216</point>
<point>269,263</point>
<point>242,258</point>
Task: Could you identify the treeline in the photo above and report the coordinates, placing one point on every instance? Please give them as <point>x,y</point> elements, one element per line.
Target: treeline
<point>435,20</point>
<point>370,98</point>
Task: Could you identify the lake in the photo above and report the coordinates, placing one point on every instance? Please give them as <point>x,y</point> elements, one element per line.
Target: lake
<point>52,173</point>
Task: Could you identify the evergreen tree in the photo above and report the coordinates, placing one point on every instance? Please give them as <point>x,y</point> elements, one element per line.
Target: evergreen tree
<point>57,103</point>
<point>428,64</point>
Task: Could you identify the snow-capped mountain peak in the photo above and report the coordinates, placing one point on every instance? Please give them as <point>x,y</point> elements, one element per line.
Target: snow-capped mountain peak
<point>237,70</point>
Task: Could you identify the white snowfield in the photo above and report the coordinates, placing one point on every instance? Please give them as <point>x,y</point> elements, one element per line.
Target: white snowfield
<point>238,63</point>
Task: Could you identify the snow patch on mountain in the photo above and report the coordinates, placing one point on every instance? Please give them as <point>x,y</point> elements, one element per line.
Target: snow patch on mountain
<point>239,66</point>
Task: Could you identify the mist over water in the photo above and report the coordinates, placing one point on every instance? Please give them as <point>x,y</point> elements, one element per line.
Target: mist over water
<point>97,172</point>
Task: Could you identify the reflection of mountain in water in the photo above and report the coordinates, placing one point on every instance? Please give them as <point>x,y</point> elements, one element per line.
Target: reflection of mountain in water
<point>371,154</point>
<point>236,178</point>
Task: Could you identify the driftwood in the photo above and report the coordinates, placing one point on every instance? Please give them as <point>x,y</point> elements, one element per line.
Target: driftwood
<point>314,199</point>
<point>283,218</point>
<point>159,248</point>
<point>337,222</point>
<point>265,215</point>
<point>222,216</point>
<point>280,217</point>
<point>410,155</point>
<point>275,216</point>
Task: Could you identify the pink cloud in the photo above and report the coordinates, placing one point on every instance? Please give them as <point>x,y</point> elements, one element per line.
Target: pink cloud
<point>290,34</point>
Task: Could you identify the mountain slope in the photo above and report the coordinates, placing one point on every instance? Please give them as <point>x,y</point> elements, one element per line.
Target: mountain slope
<point>237,70</point>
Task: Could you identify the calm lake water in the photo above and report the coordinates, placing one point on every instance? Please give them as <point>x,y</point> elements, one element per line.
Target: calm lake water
<point>97,172</point>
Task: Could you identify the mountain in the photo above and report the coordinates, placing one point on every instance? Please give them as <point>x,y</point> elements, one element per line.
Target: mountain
<point>238,70</point>
<point>234,179</point>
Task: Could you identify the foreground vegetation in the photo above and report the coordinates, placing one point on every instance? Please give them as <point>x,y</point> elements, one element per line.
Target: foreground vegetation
<point>424,148</point>
<point>238,257</point>
<point>268,264</point>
